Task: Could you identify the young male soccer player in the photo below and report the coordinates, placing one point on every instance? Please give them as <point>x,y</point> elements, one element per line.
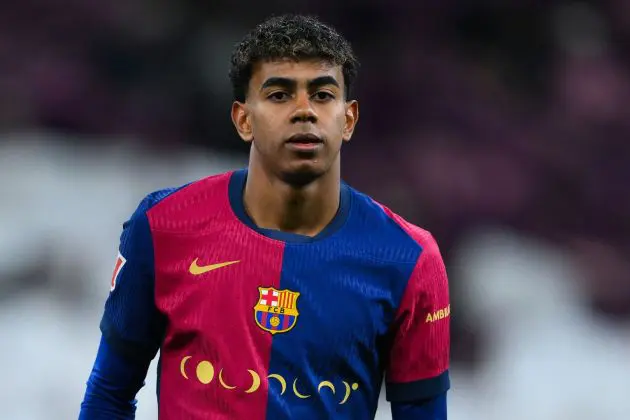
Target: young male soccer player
<point>277,292</point>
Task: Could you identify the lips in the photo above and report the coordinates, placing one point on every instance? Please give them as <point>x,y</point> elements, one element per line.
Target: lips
<point>304,138</point>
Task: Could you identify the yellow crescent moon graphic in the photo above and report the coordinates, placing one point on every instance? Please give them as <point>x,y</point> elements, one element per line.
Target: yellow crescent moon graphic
<point>345,397</point>
<point>255,382</point>
<point>280,379</point>
<point>295,391</point>
<point>222,382</point>
<point>205,372</point>
<point>182,366</point>
<point>326,384</point>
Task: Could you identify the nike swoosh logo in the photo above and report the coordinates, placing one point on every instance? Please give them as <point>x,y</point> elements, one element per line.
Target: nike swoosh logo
<point>196,270</point>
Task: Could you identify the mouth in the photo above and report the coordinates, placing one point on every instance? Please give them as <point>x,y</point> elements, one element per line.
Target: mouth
<point>305,138</point>
<point>304,142</point>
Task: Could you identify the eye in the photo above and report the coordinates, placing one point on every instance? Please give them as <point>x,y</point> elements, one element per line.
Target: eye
<point>323,96</point>
<point>278,96</point>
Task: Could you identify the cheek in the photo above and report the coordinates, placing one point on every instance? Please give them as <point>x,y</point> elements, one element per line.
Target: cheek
<point>267,121</point>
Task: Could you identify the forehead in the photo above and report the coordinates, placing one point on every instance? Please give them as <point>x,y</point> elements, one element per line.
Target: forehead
<point>297,70</point>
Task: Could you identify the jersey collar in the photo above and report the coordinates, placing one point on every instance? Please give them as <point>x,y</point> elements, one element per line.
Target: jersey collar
<point>237,187</point>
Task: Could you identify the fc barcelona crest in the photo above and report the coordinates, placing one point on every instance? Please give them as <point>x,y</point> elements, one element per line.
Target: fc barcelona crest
<point>276,310</point>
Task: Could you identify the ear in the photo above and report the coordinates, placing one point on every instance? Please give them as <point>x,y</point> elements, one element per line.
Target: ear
<point>352,117</point>
<point>242,121</point>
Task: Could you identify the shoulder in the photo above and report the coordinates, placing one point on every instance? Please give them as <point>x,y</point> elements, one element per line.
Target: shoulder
<point>181,207</point>
<point>391,228</point>
<point>419,235</point>
<point>408,253</point>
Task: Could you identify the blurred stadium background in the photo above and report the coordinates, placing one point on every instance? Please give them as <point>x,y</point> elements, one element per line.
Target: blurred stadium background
<point>503,129</point>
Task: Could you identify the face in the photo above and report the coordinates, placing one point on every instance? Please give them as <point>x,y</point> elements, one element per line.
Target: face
<point>296,117</point>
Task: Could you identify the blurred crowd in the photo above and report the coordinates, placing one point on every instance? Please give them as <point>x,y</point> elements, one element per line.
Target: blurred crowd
<point>501,127</point>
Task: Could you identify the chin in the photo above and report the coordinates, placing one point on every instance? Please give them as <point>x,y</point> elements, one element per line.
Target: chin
<point>302,175</point>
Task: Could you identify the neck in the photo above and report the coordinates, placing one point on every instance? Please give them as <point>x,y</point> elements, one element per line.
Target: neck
<point>274,204</point>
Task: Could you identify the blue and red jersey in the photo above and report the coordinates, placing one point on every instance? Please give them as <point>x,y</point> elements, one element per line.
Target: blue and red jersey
<point>260,324</point>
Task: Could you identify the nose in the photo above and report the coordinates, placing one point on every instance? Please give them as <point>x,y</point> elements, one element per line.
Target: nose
<point>304,111</point>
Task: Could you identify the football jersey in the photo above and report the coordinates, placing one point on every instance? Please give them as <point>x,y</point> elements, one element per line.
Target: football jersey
<point>259,324</point>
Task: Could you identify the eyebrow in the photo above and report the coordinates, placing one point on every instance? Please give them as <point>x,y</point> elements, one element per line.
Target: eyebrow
<point>287,83</point>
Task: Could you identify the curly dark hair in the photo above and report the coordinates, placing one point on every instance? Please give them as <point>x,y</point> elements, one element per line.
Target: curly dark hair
<point>294,37</point>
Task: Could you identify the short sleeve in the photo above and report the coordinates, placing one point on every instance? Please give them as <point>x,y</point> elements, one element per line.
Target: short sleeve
<point>419,355</point>
<point>131,323</point>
